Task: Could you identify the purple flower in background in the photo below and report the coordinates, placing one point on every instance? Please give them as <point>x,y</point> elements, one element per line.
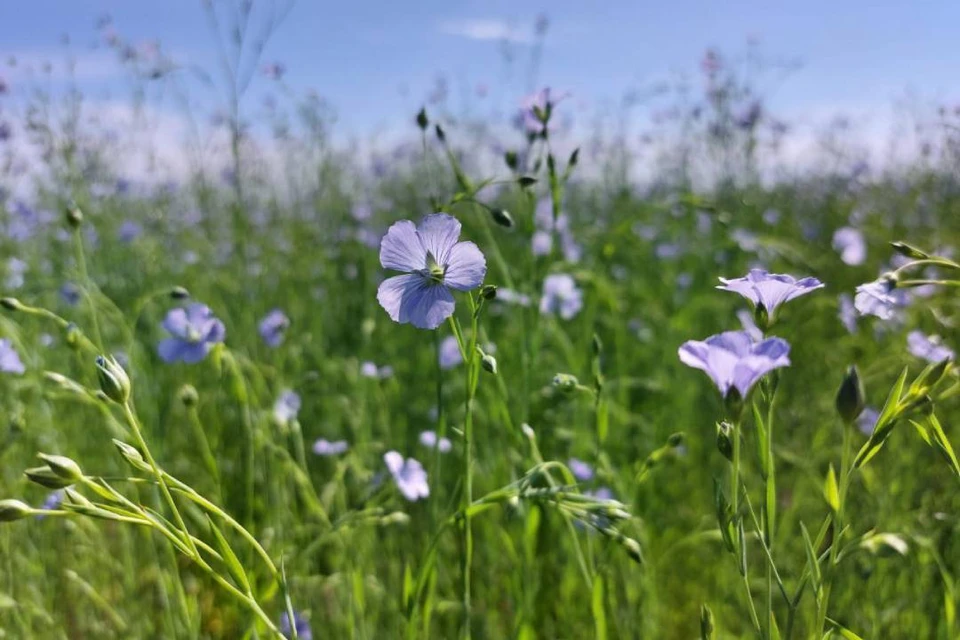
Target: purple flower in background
<point>273,327</point>
<point>561,295</point>
<point>129,231</point>
<point>408,474</point>
<point>542,243</point>
<point>330,447</point>
<point>429,439</point>
<point>70,293</point>
<point>580,469</point>
<point>53,501</point>
<point>769,289</point>
<point>194,331</point>
<point>434,262</point>
<point>733,360</point>
<point>15,270</point>
<point>274,70</point>
<point>867,420</point>
<point>848,312</point>
<point>849,242</point>
<point>930,348</point>
<point>9,360</point>
<point>876,299</point>
<point>449,353</point>
<point>601,493</point>
<point>299,623</point>
<point>362,211</point>
<point>287,406</point>
<point>370,370</point>
<point>512,297</point>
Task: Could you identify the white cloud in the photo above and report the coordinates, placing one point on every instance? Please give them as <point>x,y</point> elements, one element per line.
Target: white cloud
<point>484,29</point>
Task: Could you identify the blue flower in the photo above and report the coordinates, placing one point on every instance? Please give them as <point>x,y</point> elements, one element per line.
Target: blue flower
<point>449,355</point>
<point>877,299</point>
<point>287,406</point>
<point>370,370</point>
<point>851,245</point>
<point>561,295</point>
<point>868,420</point>
<point>429,439</point>
<point>300,624</point>
<point>408,474</point>
<point>9,360</point>
<point>434,262</point>
<point>930,348</point>
<point>324,447</point>
<point>70,293</point>
<point>733,360</point>
<point>52,502</point>
<point>769,289</point>
<point>848,313</point>
<point>129,231</point>
<point>580,469</point>
<point>194,331</point>
<point>273,327</point>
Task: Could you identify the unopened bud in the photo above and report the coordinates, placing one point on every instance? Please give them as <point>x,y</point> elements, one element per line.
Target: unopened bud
<point>565,382</point>
<point>489,363</point>
<point>511,159</point>
<point>488,292</point>
<point>179,293</point>
<point>114,381</point>
<point>851,398</point>
<point>132,455</point>
<point>74,216</point>
<point>422,120</point>
<point>11,304</point>
<point>73,335</point>
<point>188,395</point>
<point>633,549</point>
<point>909,251</point>
<point>397,517</point>
<point>440,134</point>
<point>675,439</point>
<point>63,467</point>
<point>46,477</point>
<point>11,510</point>
<point>707,628</point>
<point>502,217</point>
<point>725,437</point>
<point>528,431</point>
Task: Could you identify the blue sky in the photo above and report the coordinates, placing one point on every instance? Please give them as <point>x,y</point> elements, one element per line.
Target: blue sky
<point>375,61</point>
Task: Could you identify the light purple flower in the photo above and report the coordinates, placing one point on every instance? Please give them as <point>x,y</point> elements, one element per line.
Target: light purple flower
<point>429,439</point>
<point>542,243</point>
<point>9,360</point>
<point>273,327</point>
<point>449,353</point>
<point>930,348</point>
<point>194,331</point>
<point>299,623</point>
<point>52,502</point>
<point>408,474</point>
<point>330,447</point>
<point>287,406</point>
<point>769,289</point>
<point>434,262</point>
<point>370,370</point>
<point>876,299</point>
<point>848,313</point>
<point>733,360</point>
<point>513,297</point>
<point>70,293</point>
<point>749,324</point>
<point>580,469</point>
<point>561,295</point>
<point>129,231</point>
<point>867,420</point>
<point>851,245</point>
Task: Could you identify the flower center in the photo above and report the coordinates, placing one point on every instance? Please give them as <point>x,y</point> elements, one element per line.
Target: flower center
<point>193,336</point>
<point>434,271</point>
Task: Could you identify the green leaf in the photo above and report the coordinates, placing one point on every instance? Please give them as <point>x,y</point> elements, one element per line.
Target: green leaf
<point>943,444</point>
<point>830,490</point>
<point>885,423</point>
<point>407,585</point>
<point>230,558</point>
<point>843,631</point>
<point>815,575</point>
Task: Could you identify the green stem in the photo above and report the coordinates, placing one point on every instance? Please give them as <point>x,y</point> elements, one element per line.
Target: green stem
<point>846,471</point>
<point>82,266</point>
<point>472,370</point>
<point>205,452</point>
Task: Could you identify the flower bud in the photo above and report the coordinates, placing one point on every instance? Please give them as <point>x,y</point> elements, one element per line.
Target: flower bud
<point>397,517</point>
<point>489,363</point>
<point>441,136</point>
<point>422,120</point>
<point>725,438</point>
<point>63,467</point>
<point>909,251</point>
<point>114,381</point>
<point>73,336</point>
<point>11,304</point>
<point>528,431</point>
<point>74,216</point>
<point>488,292</point>
<point>707,627</point>
<point>188,395</point>
<point>851,397</point>
<point>132,455</point>
<point>11,510</point>
<point>633,549</point>
<point>511,159</point>
<point>675,439</point>
<point>565,382</point>
<point>46,477</point>
<point>179,293</point>
<point>502,217</point>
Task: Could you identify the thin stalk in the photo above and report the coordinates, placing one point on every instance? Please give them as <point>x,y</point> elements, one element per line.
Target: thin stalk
<point>82,266</point>
<point>846,471</point>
